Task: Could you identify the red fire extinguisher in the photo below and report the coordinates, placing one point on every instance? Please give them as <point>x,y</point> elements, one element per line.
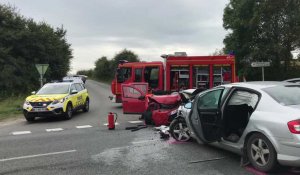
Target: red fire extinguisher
<point>111,120</point>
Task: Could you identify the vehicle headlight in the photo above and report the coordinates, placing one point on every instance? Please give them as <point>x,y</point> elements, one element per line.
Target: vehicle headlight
<point>62,100</point>
<point>58,101</point>
<point>26,102</point>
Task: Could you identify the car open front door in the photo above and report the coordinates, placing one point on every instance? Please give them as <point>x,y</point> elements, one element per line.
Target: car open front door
<point>133,97</point>
<point>205,117</point>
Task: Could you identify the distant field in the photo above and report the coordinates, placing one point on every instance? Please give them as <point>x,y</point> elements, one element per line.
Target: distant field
<point>11,107</point>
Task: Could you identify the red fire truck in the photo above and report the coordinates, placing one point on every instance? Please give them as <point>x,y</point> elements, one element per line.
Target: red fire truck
<point>175,73</point>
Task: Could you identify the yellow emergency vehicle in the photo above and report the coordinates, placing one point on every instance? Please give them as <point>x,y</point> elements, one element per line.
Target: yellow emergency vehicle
<point>56,99</point>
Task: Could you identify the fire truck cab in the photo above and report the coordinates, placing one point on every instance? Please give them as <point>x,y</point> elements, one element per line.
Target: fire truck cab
<point>137,72</point>
<point>175,73</point>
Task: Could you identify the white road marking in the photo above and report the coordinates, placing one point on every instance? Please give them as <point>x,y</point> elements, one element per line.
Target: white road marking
<point>21,132</point>
<point>37,155</point>
<point>105,124</point>
<point>136,121</point>
<point>84,126</point>
<point>54,129</point>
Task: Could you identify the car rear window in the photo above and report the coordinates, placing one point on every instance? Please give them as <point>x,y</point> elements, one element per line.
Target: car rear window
<point>285,95</point>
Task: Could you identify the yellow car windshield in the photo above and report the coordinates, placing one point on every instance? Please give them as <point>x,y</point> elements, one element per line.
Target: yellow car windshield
<point>54,89</point>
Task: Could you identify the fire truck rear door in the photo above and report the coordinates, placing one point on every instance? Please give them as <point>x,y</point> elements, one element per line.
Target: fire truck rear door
<point>133,97</point>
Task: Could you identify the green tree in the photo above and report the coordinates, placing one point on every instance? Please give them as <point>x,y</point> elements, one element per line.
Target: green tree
<point>124,55</point>
<point>263,30</point>
<point>88,73</point>
<point>103,70</point>
<point>24,43</point>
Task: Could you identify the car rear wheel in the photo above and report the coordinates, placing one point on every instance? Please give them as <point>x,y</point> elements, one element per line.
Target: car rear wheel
<point>261,153</point>
<point>69,112</point>
<point>86,106</point>
<point>179,130</point>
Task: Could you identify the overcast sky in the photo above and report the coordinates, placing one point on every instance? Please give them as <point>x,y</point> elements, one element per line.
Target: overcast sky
<point>149,28</point>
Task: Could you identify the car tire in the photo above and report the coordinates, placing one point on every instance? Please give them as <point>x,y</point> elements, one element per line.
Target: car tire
<point>29,118</point>
<point>69,112</point>
<point>179,130</point>
<point>261,153</point>
<point>86,107</point>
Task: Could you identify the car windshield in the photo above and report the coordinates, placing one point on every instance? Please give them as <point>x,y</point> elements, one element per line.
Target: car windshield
<point>285,95</point>
<point>54,89</point>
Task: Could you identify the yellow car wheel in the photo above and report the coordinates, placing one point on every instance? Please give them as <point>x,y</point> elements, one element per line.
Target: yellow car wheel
<point>29,118</point>
<point>69,112</point>
<point>86,106</point>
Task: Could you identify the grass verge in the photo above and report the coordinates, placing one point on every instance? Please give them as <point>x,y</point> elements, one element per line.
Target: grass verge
<point>11,107</point>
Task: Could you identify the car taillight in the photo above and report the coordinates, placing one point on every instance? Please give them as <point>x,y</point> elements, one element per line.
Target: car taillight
<point>294,126</point>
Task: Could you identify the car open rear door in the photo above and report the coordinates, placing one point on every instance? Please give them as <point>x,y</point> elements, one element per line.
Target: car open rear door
<point>133,97</point>
<point>205,117</point>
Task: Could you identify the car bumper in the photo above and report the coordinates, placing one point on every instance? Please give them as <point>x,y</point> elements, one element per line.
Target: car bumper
<point>289,153</point>
<point>50,110</point>
<point>288,160</point>
<point>55,112</point>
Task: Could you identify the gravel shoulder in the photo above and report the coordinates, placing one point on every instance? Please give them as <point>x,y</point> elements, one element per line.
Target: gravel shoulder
<point>11,120</point>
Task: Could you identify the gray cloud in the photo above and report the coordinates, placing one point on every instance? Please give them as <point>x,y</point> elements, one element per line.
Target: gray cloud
<point>148,27</point>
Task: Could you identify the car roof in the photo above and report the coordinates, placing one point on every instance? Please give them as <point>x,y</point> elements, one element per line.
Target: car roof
<point>61,83</point>
<point>258,85</point>
<point>73,80</point>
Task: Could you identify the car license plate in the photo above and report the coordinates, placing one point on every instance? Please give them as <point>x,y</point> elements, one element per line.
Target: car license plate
<point>39,109</point>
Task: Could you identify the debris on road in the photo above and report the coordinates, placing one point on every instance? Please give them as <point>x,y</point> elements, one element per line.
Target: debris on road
<point>163,131</point>
<point>207,160</point>
<point>136,128</point>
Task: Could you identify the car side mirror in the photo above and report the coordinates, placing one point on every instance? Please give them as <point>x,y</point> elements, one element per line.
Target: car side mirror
<point>74,91</point>
<point>141,97</point>
<point>33,92</point>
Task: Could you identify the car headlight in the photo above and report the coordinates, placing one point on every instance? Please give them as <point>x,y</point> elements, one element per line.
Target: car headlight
<point>58,101</point>
<point>26,102</point>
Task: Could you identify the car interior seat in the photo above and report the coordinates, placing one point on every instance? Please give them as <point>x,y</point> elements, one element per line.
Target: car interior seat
<point>236,118</point>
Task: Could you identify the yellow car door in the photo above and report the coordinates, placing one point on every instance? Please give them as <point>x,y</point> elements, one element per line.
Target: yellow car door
<point>85,94</point>
<point>74,96</point>
<point>80,99</point>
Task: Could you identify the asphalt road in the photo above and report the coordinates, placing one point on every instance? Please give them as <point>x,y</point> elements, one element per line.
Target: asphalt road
<point>84,145</point>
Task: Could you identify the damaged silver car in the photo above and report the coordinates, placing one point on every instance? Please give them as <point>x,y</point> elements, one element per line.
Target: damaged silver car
<point>258,120</point>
